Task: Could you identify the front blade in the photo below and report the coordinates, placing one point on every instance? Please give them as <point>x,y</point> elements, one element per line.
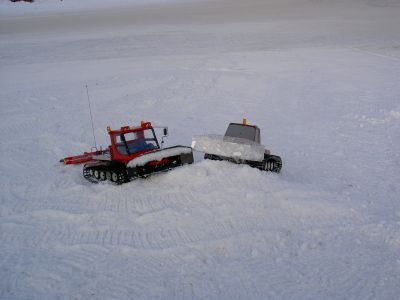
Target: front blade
<point>236,148</point>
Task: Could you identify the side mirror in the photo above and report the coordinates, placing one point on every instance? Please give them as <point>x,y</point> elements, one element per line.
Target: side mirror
<point>165,134</point>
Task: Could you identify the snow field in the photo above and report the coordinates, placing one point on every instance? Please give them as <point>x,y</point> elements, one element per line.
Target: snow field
<point>39,7</point>
<point>320,80</point>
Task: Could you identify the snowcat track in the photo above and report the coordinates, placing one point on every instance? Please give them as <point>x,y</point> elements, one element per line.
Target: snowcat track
<point>271,163</point>
<point>96,173</point>
<point>119,173</point>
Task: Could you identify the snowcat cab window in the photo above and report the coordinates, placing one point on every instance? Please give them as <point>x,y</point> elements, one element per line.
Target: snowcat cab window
<point>243,132</point>
<point>133,142</point>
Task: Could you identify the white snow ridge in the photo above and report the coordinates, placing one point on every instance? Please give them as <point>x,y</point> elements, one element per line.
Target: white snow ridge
<point>158,155</point>
<point>319,78</point>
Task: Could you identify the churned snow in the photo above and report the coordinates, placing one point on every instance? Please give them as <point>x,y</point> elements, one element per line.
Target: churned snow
<point>158,155</point>
<point>236,148</point>
<point>321,80</point>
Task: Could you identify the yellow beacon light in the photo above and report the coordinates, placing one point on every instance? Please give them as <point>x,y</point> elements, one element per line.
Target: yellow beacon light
<point>244,122</point>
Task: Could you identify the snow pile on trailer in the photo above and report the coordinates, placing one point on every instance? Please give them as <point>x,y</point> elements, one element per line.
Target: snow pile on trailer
<point>158,155</point>
<point>235,148</point>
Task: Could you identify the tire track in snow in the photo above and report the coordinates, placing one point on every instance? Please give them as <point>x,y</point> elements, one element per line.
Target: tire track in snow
<point>109,217</point>
<point>376,54</point>
<point>44,235</point>
<point>119,290</point>
<point>142,271</point>
<point>150,239</point>
<point>133,204</point>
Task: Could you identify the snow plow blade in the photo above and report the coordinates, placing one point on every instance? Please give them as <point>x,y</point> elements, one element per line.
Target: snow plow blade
<point>228,147</point>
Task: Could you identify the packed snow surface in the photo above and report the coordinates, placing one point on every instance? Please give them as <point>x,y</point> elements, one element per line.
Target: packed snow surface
<point>158,155</point>
<point>321,80</point>
<point>62,6</point>
<point>236,148</point>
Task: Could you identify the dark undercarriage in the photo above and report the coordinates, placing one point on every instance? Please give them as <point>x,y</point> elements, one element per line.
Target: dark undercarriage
<point>119,173</point>
<point>271,163</point>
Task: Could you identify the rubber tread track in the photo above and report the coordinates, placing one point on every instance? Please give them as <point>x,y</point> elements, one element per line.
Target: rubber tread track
<point>271,163</point>
<point>96,175</point>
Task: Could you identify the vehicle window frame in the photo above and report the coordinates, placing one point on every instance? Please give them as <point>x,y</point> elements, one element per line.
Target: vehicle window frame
<point>124,142</point>
<point>237,128</point>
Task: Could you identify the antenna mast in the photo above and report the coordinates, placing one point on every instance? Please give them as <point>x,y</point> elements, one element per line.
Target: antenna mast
<point>91,117</point>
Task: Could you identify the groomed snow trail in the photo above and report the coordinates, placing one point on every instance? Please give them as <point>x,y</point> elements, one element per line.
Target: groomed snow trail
<point>321,81</point>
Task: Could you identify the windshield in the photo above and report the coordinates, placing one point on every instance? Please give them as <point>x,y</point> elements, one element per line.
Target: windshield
<point>132,142</point>
<point>241,131</point>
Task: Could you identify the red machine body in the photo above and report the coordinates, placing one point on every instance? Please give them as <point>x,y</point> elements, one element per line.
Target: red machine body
<point>112,150</point>
<point>133,152</point>
<point>138,133</point>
